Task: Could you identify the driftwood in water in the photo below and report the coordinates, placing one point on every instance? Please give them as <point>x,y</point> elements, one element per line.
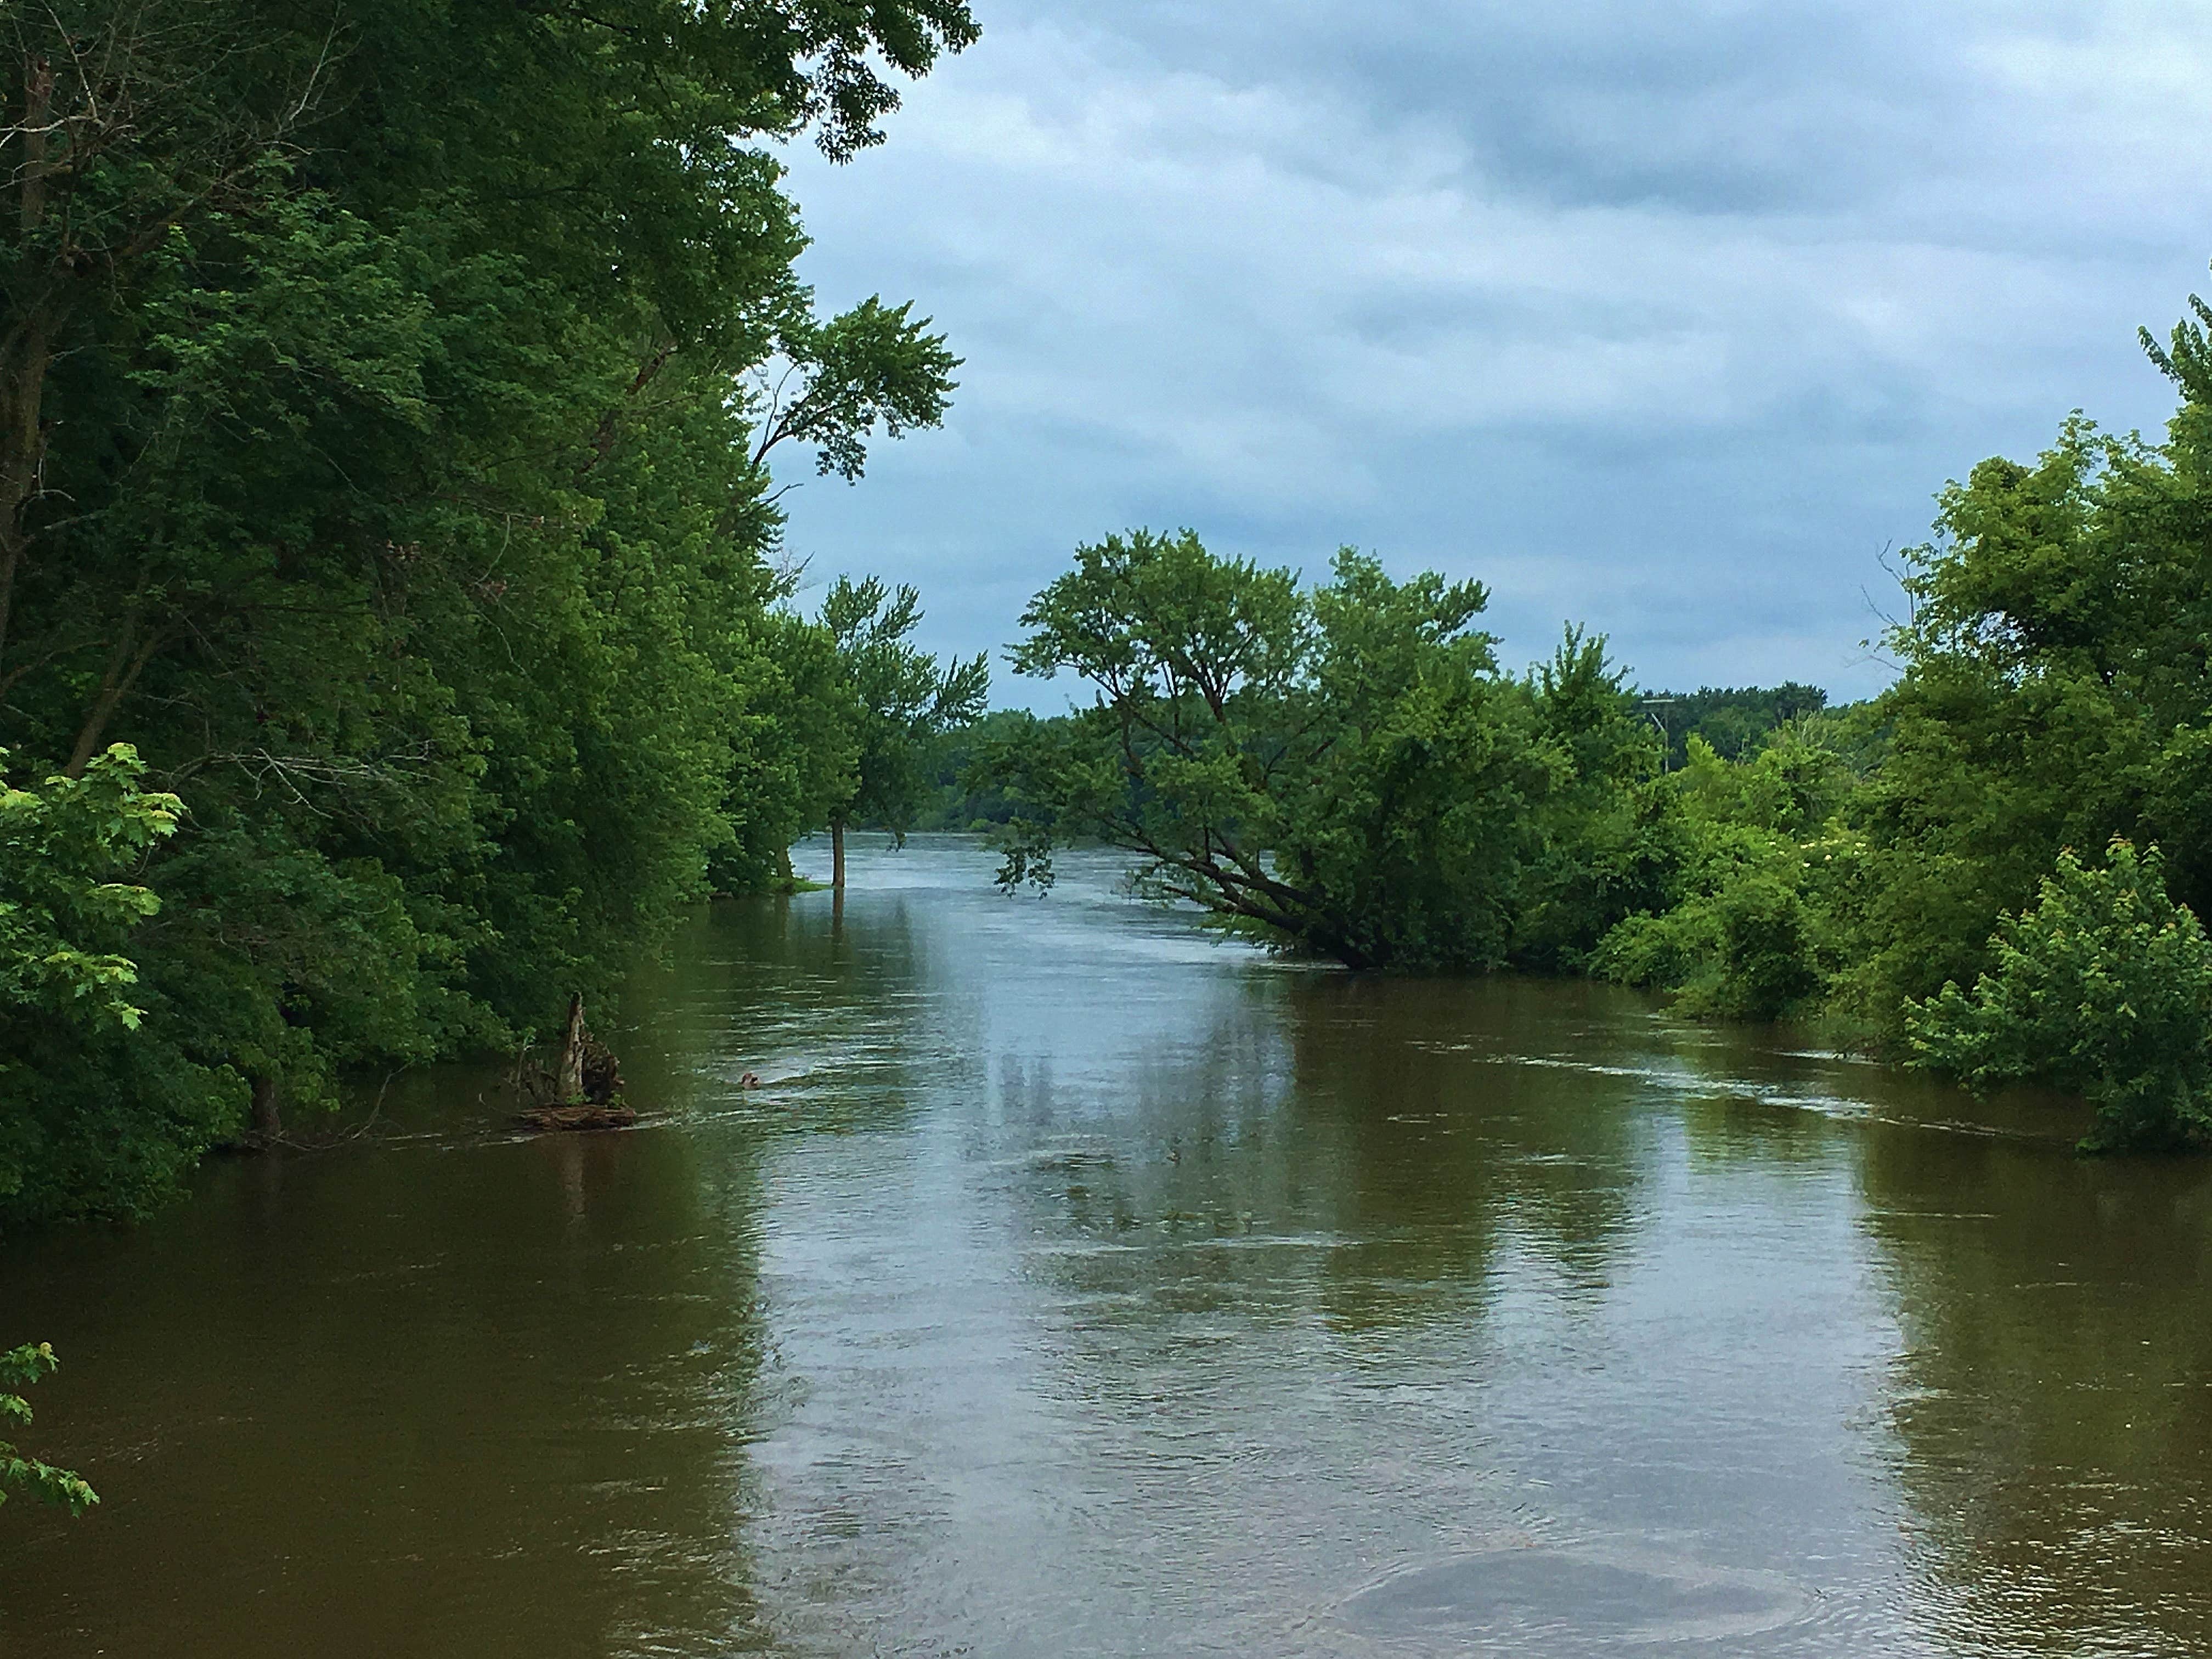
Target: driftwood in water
<point>582,1116</point>
<point>583,1090</point>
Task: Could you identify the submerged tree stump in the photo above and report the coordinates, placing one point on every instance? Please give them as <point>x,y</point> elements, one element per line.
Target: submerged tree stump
<point>569,1077</point>
<point>268,1123</point>
<point>584,1089</point>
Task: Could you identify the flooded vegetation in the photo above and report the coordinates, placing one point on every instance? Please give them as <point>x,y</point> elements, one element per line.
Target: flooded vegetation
<point>1565,1165</point>
<point>1077,1283</point>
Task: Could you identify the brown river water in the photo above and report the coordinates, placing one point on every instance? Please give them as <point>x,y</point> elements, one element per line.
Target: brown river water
<point>1077,1284</point>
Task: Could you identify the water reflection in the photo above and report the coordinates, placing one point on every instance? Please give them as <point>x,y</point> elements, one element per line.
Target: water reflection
<point>2053,1398</point>
<point>1073,1283</point>
<point>2047,1406</point>
<point>830,1024</point>
<point>475,1397</point>
<point>1446,1143</point>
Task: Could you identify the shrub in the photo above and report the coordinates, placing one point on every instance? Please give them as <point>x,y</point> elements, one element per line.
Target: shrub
<point>2103,987</point>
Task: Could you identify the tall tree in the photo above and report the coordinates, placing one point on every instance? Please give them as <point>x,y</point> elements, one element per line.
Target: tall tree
<point>383,456</point>
<point>1341,770</point>
<point>901,697</point>
<point>128,124</point>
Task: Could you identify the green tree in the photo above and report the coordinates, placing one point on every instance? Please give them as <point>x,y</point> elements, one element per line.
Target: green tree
<point>958,774</point>
<point>795,750</point>
<point>97,1111</point>
<point>1608,849</point>
<point>902,698</point>
<point>383,443</point>
<point>60,843</point>
<point>2104,988</point>
<point>2056,693</point>
<point>833,384</point>
<point>1734,721</point>
<point>1758,869</point>
<point>1341,770</point>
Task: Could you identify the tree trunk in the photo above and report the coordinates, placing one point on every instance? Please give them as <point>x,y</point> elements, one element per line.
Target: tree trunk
<point>837,855</point>
<point>27,356</point>
<point>568,1080</point>
<point>267,1125</point>
<point>124,667</point>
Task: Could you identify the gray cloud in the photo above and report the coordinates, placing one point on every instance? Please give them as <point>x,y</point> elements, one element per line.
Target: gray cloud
<point>1667,319</point>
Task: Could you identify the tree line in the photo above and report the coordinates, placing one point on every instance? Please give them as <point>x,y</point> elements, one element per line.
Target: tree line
<point>395,625</point>
<point>395,629</point>
<point>1995,869</point>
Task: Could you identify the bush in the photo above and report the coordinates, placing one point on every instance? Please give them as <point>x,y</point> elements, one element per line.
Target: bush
<point>1750,932</point>
<point>99,1113</point>
<point>2104,988</point>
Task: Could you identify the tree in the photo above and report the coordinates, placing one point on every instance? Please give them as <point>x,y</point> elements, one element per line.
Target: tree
<point>1607,849</point>
<point>385,379</point>
<point>1734,721</point>
<point>127,123</point>
<point>836,382</point>
<point>1757,873</point>
<point>902,698</point>
<point>2054,695</point>
<point>1339,769</point>
<point>57,910</point>
<point>795,751</point>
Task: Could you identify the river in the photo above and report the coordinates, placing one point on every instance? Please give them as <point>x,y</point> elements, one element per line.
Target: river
<point>1076,1283</point>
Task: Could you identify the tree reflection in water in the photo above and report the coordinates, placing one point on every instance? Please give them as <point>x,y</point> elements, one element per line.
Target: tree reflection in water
<point>1072,1283</point>
<point>2053,1401</point>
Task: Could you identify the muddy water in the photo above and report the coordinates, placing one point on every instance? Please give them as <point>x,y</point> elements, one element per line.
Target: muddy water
<point>1075,1285</point>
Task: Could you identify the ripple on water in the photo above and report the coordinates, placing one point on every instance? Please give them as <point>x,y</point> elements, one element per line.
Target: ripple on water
<point>1571,1600</point>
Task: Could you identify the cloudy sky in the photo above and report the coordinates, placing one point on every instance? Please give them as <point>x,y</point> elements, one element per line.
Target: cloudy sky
<point>1666,317</point>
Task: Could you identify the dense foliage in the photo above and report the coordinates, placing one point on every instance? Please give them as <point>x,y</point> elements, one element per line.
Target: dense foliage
<point>1734,721</point>
<point>95,1101</point>
<point>958,791</point>
<point>1344,769</point>
<point>1755,886</point>
<point>386,398</point>
<point>2104,988</point>
<point>1340,767</point>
